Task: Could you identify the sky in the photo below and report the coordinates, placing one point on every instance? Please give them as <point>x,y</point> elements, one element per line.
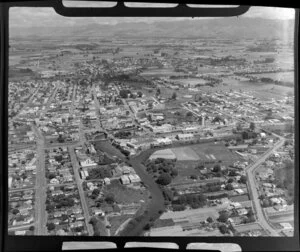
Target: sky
<point>47,17</point>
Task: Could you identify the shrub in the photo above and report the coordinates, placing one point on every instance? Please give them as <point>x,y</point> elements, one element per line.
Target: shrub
<point>50,226</point>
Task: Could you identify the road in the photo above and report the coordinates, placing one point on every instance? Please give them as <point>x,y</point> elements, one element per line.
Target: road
<point>52,96</point>
<point>41,185</point>
<point>73,99</point>
<point>84,205</point>
<point>253,188</point>
<point>250,170</point>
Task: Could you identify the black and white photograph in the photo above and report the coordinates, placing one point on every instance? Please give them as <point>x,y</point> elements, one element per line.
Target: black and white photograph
<point>151,126</point>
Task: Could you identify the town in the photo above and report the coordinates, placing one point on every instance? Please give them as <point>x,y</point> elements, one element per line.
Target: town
<point>158,137</point>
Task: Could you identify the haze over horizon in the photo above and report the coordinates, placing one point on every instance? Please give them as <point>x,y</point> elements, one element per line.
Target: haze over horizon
<point>24,17</point>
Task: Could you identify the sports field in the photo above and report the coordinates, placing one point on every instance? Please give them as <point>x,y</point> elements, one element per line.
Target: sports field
<point>213,152</point>
<point>185,153</point>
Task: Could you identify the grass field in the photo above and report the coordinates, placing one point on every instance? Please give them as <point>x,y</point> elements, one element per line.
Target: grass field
<point>185,153</point>
<point>213,152</point>
<point>117,221</point>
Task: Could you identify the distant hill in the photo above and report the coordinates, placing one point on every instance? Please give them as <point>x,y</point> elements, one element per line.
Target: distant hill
<point>232,27</point>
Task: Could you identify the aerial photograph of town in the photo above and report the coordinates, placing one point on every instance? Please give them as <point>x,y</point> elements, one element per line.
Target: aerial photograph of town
<point>151,126</point>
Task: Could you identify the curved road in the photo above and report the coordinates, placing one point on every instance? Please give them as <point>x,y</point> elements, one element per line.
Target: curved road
<point>252,184</point>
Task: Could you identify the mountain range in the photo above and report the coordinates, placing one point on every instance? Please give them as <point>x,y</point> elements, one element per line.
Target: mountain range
<point>227,28</point>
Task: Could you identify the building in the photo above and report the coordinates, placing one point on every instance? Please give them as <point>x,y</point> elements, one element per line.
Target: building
<point>185,137</point>
<point>162,142</point>
<point>107,181</point>
<point>125,180</point>
<point>88,163</point>
<point>134,178</point>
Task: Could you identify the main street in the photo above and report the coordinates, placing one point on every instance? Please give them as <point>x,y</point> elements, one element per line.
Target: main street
<point>41,185</point>
<point>79,181</point>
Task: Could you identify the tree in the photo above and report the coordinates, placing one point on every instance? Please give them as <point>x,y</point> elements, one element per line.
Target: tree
<point>50,226</point>
<point>174,172</point>
<point>223,229</point>
<point>202,198</point>
<point>193,176</point>
<point>51,176</point>
<point>182,200</point>
<point>210,220</point>
<point>139,94</point>
<point>232,173</point>
<point>230,180</point>
<point>223,216</point>
<point>158,92</point>
<point>124,93</point>
<point>164,179</point>
<point>250,212</point>
<point>147,226</point>
<point>229,187</point>
<point>178,207</point>
<point>61,139</point>
<point>251,219</point>
<point>96,192</point>
<point>217,168</point>
<point>239,126</point>
<point>50,208</point>
<point>110,198</point>
<point>195,205</point>
<point>174,96</point>
<point>188,114</point>
<point>168,194</point>
<point>252,126</point>
<point>15,211</point>
<point>243,179</point>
